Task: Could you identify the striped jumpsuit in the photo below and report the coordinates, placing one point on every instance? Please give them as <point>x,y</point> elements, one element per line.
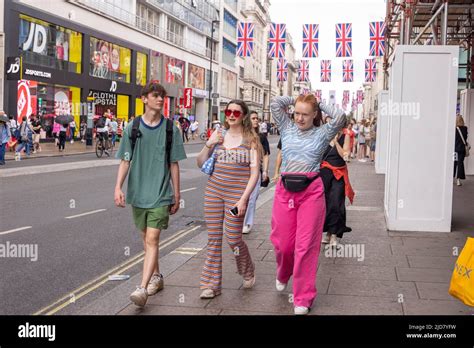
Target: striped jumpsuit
<point>224,188</point>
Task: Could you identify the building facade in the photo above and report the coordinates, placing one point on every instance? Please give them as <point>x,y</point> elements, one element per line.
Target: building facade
<point>66,64</point>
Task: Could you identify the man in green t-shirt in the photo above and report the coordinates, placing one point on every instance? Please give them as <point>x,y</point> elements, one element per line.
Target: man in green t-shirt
<point>153,188</point>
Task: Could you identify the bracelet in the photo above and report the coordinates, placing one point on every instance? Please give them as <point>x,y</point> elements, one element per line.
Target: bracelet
<point>209,147</point>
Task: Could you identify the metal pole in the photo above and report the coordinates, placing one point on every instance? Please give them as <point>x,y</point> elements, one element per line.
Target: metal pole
<point>444,37</point>
<point>270,61</point>
<point>428,24</point>
<point>209,117</point>
<point>402,28</point>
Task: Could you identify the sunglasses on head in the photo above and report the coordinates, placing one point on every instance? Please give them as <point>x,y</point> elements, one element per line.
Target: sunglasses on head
<point>236,113</point>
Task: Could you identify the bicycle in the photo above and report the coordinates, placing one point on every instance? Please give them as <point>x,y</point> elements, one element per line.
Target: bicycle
<point>101,147</point>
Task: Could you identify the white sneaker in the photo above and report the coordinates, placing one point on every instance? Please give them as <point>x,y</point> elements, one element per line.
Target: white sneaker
<point>325,239</point>
<point>156,284</point>
<point>247,229</point>
<point>248,284</point>
<point>139,297</point>
<point>207,293</point>
<point>299,310</point>
<point>17,156</point>
<point>280,286</point>
<point>333,241</point>
<point>458,182</point>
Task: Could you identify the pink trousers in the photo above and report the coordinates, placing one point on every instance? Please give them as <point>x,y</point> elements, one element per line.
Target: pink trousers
<point>297,227</point>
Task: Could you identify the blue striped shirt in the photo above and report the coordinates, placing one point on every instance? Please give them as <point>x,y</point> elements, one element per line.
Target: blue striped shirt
<point>302,151</point>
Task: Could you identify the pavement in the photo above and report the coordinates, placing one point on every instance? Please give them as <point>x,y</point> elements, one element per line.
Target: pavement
<point>388,273</point>
<point>77,148</point>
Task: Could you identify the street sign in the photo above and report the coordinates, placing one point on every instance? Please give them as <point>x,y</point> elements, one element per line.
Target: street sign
<point>188,98</point>
<point>215,95</point>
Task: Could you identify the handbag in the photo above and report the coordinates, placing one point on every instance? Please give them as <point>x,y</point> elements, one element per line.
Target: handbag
<point>208,166</point>
<point>296,182</point>
<point>462,280</point>
<point>466,144</point>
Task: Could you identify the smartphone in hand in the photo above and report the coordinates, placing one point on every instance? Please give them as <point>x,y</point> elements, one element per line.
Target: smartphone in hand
<point>234,211</point>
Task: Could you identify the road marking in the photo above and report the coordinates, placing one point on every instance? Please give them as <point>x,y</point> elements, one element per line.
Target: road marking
<point>16,230</point>
<point>189,189</point>
<point>84,214</point>
<point>361,208</point>
<point>102,279</point>
<point>186,251</point>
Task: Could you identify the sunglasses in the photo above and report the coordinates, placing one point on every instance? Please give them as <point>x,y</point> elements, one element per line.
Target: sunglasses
<point>236,113</point>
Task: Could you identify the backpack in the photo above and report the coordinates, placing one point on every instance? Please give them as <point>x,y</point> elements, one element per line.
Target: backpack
<point>101,122</point>
<point>135,134</point>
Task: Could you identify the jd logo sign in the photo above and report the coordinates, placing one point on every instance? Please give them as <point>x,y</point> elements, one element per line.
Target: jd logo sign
<point>113,86</point>
<point>13,68</point>
<point>188,98</point>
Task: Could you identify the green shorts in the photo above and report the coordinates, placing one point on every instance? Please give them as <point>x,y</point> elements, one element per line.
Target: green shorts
<point>151,217</point>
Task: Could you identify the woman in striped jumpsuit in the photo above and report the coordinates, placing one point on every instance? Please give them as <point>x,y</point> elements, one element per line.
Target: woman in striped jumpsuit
<point>235,175</point>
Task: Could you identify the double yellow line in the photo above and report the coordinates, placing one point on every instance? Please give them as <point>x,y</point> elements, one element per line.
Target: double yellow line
<point>103,278</point>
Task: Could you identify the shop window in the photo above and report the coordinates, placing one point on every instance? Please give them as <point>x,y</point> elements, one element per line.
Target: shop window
<point>141,68</point>
<point>109,61</point>
<point>45,44</point>
<point>156,62</point>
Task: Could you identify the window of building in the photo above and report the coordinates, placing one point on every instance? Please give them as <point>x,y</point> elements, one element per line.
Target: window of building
<point>228,53</point>
<point>45,44</point>
<point>214,81</point>
<point>241,72</point>
<point>232,4</point>
<point>230,24</point>
<point>228,84</point>
<point>109,61</point>
<point>175,32</point>
<point>156,66</point>
<point>141,68</point>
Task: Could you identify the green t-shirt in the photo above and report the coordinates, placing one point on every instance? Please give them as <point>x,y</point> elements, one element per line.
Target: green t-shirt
<point>149,179</point>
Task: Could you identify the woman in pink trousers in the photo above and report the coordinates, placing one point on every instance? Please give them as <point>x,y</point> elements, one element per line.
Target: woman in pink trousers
<point>299,206</point>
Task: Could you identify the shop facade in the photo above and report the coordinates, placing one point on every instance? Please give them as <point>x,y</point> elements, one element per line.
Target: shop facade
<point>58,67</point>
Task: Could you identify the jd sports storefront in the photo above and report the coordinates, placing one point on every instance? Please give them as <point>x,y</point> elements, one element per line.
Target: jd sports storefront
<point>56,67</point>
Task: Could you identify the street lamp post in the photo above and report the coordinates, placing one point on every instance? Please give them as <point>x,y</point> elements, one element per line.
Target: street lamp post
<point>209,120</point>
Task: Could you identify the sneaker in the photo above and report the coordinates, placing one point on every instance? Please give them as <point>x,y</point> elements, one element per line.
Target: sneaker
<point>300,310</point>
<point>248,284</point>
<point>156,284</point>
<point>139,297</point>
<point>17,156</point>
<point>34,151</point>
<point>207,293</point>
<point>333,241</point>
<point>458,182</point>
<point>247,229</point>
<point>280,286</point>
<point>325,239</point>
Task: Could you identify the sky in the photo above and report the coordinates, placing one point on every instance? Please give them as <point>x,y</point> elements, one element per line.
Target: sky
<point>327,13</point>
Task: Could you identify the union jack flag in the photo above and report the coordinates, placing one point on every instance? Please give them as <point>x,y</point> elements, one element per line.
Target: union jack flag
<point>345,97</point>
<point>347,70</point>
<point>310,40</point>
<point>344,40</point>
<point>318,94</point>
<point>377,39</point>
<point>245,39</point>
<point>325,70</point>
<point>303,71</point>
<point>277,40</point>
<point>282,70</point>
<point>370,70</point>
<point>360,97</point>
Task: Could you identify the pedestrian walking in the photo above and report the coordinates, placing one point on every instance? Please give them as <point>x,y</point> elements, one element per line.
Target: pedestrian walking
<point>13,125</point>
<point>56,130</point>
<point>349,132</point>
<point>5,136</point>
<point>373,139</point>
<point>335,176</point>
<point>263,128</point>
<point>461,148</point>
<point>72,131</point>
<point>362,139</point>
<point>102,131</point>
<point>184,122</point>
<point>149,152</point>
<point>83,130</point>
<point>263,175</point>
<point>62,137</point>
<point>194,129</point>
<point>24,135</point>
<point>36,126</point>
<point>113,131</point>
<point>235,174</point>
<point>299,206</point>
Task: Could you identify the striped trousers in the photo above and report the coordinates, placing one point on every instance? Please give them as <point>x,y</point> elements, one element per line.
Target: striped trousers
<point>221,196</point>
